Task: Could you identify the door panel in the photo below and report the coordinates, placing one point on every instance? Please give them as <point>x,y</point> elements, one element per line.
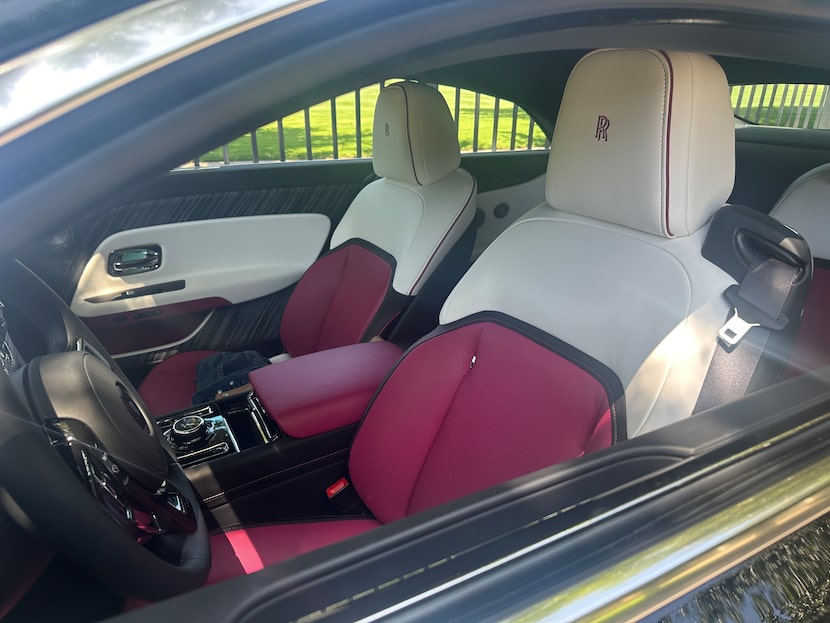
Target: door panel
<point>182,196</point>
<point>195,267</point>
<point>320,188</point>
<point>162,326</point>
<point>234,259</point>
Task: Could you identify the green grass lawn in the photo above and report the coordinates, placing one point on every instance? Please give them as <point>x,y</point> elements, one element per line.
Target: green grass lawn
<point>322,143</point>
<point>785,105</point>
<point>788,105</point>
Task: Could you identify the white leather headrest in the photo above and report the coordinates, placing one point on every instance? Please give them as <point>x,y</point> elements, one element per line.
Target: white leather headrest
<point>415,140</point>
<point>805,206</point>
<point>644,139</point>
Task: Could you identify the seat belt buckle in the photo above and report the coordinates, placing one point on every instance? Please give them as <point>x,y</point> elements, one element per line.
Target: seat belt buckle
<point>734,330</point>
<point>344,498</point>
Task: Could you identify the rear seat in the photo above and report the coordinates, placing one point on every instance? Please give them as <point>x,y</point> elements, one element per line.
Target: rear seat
<point>805,206</point>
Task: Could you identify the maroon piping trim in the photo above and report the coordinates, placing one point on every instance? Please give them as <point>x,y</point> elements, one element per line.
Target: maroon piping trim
<point>668,136</point>
<point>444,237</point>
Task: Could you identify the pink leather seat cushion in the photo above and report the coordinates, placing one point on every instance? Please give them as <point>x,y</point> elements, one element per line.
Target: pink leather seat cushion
<point>172,383</point>
<point>322,391</point>
<point>248,550</point>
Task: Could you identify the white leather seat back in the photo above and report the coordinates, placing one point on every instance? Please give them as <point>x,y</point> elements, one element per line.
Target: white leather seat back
<point>642,157</point>
<point>805,206</point>
<point>424,201</point>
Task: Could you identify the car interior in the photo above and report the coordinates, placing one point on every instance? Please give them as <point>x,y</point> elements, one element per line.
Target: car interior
<point>393,236</point>
<point>431,324</point>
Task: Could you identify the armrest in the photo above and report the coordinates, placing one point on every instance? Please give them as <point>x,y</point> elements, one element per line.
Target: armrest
<point>322,391</point>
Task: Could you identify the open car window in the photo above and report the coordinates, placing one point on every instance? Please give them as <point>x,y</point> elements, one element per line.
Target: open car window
<point>782,105</point>
<point>341,128</point>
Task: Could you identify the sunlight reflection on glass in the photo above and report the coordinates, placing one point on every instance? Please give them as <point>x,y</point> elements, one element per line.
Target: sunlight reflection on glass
<point>45,78</point>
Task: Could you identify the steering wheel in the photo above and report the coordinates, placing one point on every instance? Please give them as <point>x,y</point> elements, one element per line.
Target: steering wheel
<point>82,460</point>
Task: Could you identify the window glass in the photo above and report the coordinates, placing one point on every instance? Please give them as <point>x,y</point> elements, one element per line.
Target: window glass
<point>783,105</point>
<point>341,128</point>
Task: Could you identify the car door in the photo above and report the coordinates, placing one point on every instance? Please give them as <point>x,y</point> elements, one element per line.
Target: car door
<point>200,258</point>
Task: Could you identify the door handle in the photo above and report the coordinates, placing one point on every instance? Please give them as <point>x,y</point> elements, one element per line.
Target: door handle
<point>134,260</point>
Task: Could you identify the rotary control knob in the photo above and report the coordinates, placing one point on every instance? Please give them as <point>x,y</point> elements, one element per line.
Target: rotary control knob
<point>189,430</point>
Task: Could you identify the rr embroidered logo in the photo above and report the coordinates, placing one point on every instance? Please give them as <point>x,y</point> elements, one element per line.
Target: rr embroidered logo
<point>603,123</point>
<point>386,129</point>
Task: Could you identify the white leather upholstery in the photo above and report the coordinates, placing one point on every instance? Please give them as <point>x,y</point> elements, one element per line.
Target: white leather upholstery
<point>273,253</point>
<point>805,206</point>
<point>415,140</point>
<point>417,225</point>
<point>647,307</point>
<point>666,160</point>
<point>607,276</point>
<point>425,202</point>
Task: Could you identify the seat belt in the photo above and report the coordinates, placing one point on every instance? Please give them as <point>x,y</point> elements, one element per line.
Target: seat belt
<point>759,300</point>
<point>756,302</point>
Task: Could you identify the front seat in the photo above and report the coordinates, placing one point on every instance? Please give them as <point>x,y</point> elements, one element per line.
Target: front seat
<point>590,320</point>
<point>390,240</point>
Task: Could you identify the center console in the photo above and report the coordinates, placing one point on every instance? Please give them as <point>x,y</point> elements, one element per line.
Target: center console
<point>287,439</point>
<point>216,429</point>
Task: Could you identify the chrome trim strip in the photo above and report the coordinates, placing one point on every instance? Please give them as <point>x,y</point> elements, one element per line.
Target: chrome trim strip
<point>61,76</point>
<point>656,577</point>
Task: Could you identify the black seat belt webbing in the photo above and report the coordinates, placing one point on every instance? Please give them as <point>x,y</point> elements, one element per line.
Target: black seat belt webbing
<point>757,301</point>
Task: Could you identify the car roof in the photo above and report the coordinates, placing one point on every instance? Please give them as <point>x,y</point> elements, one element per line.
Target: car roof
<point>28,24</point>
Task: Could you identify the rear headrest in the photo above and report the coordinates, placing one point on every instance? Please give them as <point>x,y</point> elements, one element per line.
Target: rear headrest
<point>644,139</point>
<point>415,140</point>
<point>805,206</point>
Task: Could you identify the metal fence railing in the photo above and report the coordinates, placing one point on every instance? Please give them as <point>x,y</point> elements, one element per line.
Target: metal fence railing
<point>784,105</point>
<point>342,128</point>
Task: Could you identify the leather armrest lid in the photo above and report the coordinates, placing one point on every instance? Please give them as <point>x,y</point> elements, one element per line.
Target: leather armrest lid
<point>325,390</point>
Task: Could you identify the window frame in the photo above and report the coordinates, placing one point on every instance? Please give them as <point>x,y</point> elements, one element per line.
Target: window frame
<point>483,131</point>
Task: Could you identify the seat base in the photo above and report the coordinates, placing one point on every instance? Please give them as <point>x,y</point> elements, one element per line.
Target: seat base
<point>248,550</point>
<point>172,383</point>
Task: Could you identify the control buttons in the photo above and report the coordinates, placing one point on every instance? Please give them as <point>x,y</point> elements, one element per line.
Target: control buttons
<point>198,435</point>
<point>189,429</point>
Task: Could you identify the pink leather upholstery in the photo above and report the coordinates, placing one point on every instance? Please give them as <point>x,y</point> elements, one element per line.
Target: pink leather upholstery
<point>345,297</point>
<point>323,391</point>
<point>811,349</point>
<point>172,387</point>
<point>440,429</point>
<point>249,550</point>
<point>520,407</point>
<point>336,301</point>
